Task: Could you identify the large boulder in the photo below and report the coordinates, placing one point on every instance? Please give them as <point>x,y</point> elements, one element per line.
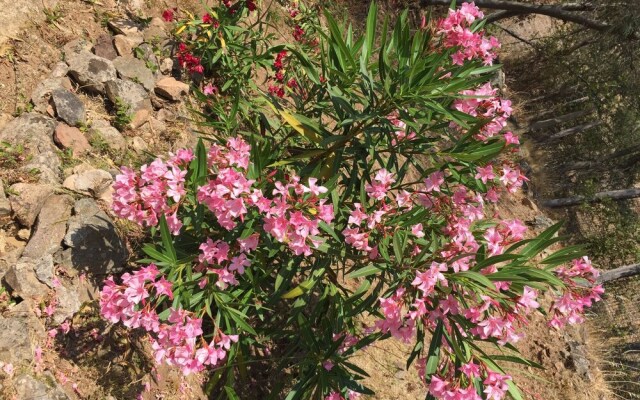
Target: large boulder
<point>29,387</point>
<point>70,137</point>
<point>50,227</point>
<point>27,200</point>
<point>135,70</point>
<point>41,95</point>
<point>16,346</point>
<point>104,47</point>
<point>35,133</point>
<point>93,181</point>
<point>90,71</point>
<point>69,107</point>
<point>23,280</point>
<point>171,89</point>
<point>130,93</point>
<point>93,244</point>
<point>108,136</point>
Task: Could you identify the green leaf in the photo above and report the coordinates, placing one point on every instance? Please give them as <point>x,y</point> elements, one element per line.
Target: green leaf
<point>167,240</point>
<point>239,318</point>
<point>370,269</point>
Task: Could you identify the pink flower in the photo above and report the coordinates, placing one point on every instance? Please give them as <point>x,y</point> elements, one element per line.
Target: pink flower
<point>416,230</point>
<point>485,173</point>
<point>434,181</point>
<point>313,188</point>
<point>209,90</point>
<point>163,287</point>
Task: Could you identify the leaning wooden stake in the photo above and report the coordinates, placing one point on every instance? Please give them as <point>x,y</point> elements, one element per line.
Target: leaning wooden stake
<point>613,194</point>
<point>619,273</point>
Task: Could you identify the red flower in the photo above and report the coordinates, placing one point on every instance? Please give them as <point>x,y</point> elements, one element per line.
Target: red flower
<point>168,14</point>
<point>276,91</point>
<point>292,83</point>
<point>298,33</point>
<point>251,5</point>
<point>207,19</point>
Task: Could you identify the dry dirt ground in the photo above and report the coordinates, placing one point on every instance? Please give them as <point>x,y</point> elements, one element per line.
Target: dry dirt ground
<point>112,366</point>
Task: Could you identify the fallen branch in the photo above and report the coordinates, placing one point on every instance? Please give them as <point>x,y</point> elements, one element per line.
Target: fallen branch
<point>551,122</point>
<point>573,130</point>
<point>562,12</point>
<point>623,194</point>
<point>619,273</point>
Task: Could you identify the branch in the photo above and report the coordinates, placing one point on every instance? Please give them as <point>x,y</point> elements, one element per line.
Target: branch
<point>563,12</point>
<point>618,273</point>
<point>623,194</point>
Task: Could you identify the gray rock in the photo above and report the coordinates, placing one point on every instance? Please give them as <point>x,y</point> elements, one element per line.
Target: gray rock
<point>171,89</point>
<point>28,387</point>
<point>35,132</point>
<point>5,205</point>
<point>110,136</point>
<point>50,226</point>
<point>104,47</point>
<point>22,279</point>
<point>42,93</point>
<point>135,70</point>
<point>125,27</point>
<point>68,304</point>
<point>94,244</point>
<point>94,182</point>
<point>27,200</point>
<point>59,70</point>
<point>44,270</point>
<point>123,46</point>
<point>166,66</point>
<point>145,53</point>
<point>10,254</point>
<point>68,107</point>
<point>155,31</point>
<point>15,342</point>
<point>76,46</point>
<point>128,92</point>
<point>91,71</point>
<point>138,145</point>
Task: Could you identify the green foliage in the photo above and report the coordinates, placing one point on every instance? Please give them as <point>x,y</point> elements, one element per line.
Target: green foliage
<point>123,114</point>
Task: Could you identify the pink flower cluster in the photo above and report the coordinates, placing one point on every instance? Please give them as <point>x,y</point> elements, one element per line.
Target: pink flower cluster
<point>144,197</point>
<point>351,395</point>
<point>174,341</point>
<point>402,132</point>
<point>569,307</point>
<point>483,102</point>
<point>228,191</point>
<point>495,385</point>
<point>215,258</point>
<point>457,32</point>
<point>294,215</point>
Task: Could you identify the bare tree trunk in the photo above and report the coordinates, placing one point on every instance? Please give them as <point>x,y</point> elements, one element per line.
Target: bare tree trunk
<point>573,130</point>
<point>562,12</point>
<point>619,273</point>
<point>550,123</point>
<point>623,194</point>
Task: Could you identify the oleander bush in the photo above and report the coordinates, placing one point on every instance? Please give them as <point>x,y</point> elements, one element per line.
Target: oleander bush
<point>344,198</point>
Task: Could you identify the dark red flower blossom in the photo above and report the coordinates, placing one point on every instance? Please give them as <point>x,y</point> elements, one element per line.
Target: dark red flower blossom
<point>168,14</point>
